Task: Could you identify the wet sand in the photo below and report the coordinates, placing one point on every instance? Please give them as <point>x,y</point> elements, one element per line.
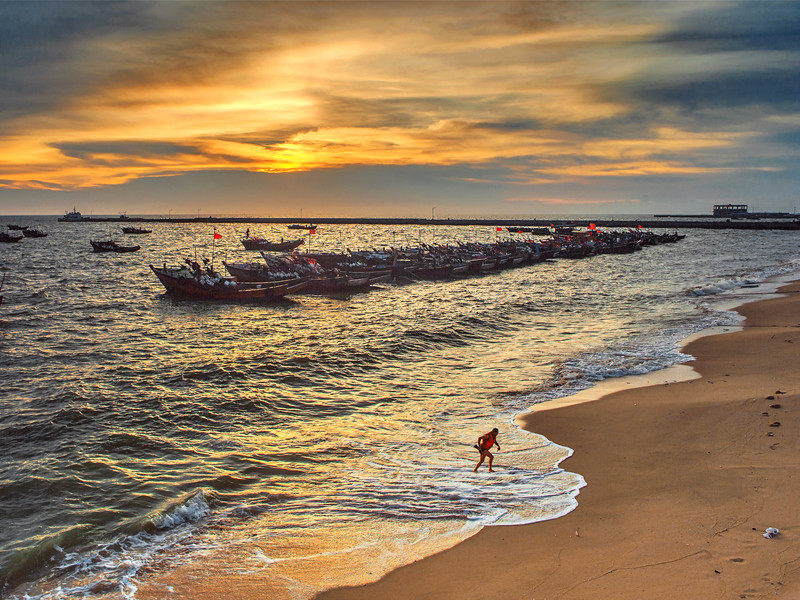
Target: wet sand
<point>682,480</point>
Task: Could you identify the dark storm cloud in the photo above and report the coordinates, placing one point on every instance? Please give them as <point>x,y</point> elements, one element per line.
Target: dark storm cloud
<point>727,55</point>
<point>791,138</point>
<point>780,90</point>
<point>737,27</point>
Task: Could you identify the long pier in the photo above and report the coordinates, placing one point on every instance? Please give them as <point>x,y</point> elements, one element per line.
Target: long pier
<point>649,223</point>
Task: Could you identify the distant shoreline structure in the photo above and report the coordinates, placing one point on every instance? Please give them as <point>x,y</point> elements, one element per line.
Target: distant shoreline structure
<point>788,222</point>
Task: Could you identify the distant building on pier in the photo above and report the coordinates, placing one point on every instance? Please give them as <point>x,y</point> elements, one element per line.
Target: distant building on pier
<point>730,210</point>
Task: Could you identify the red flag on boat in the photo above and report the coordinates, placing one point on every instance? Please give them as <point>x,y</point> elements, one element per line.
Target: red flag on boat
<point>217,236</point>
<point>592,226</point>
<point>312,231</point>
<point>639,226</point>
<point>499,229</point>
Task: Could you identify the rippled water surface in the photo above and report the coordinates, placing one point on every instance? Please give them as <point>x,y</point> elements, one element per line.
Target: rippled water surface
<point>314,442</point>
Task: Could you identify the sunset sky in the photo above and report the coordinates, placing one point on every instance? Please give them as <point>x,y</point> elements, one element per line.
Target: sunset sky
<point>383,108</point>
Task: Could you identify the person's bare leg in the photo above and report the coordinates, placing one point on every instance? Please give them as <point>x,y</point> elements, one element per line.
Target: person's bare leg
<point>480,462</point>
<point>491,458</point>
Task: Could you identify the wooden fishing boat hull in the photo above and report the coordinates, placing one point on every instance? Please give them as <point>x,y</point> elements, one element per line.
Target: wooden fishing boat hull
<point>252,292</point>
<point>136,231</point>
<point>347,283</point>
<point>33,233</point>
<point>462,269</point>
<point>267,246</point>
<point>243,273</point>
<point>105,247</point>
<point>432,273</point>
<point>380,278</point>
<point>9,239</point>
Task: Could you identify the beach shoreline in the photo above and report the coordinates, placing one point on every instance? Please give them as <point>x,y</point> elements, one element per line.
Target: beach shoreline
<point>682,479</point>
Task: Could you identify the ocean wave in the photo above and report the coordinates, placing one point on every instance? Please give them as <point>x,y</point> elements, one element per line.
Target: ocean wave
<point>753,277</point>
<point>720,286</point>
<point>108,569</point>
<point>184,511</point>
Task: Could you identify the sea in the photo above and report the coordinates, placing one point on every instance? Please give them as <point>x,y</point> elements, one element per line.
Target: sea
<point>149,443</point>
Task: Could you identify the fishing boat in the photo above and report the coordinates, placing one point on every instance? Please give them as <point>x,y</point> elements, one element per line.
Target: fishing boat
<point>431,271</point>
<point>192,281</point>
<point>308,226</point>
<point>300,267</point>
<point>347,282</point>
<point>136,230</point>
<point>111,246</point>
<point>9,239</point>
<point>255,243</point>
<point>2,281</point>
<point>17,227</point>
<point>488,264</point>
<point>34,233</point>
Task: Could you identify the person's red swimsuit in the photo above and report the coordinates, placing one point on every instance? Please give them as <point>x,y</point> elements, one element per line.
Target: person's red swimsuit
<point>488,442</point>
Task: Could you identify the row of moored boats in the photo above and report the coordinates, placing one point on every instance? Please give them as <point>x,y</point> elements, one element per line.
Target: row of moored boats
<point>277,276</point>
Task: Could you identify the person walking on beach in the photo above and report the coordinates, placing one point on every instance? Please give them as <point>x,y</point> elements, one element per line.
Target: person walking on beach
<point>485,443</point>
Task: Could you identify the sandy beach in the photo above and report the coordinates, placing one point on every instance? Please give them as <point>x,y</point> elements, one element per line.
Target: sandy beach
<point>682,479</point>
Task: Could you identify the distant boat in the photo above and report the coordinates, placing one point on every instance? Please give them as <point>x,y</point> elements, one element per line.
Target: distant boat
<point>255,243</point>
<point>8,239</point>
<point>302,226</point>
<point>136,230</point>
<point>71,216</point>
<point>111,246</point>
<point>532,230</point>
<point>18,227</point>
<point>34,233</point>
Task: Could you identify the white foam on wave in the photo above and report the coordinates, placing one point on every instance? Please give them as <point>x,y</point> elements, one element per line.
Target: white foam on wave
<point>189,511</point>
<point>755,277</point>
<point>110,569</point>
<point>644,355</point>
